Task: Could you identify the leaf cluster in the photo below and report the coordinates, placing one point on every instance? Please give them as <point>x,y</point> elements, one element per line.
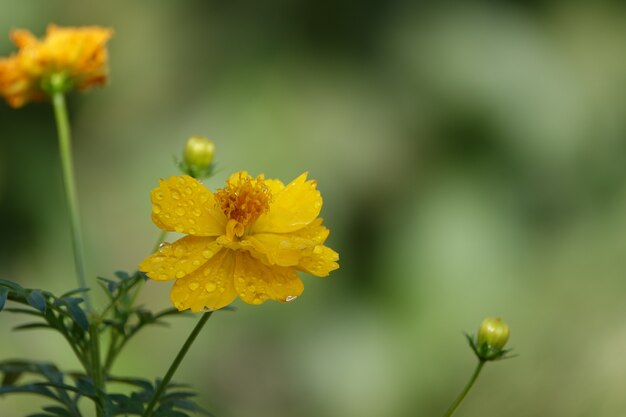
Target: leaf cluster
<point>120,321</point>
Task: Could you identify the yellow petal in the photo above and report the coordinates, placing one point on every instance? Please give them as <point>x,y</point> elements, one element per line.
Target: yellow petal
<point>175,260</point>
<point>210,287</point>
<point>293,207</point>
<point>320,261</point>
<point>256,282</point>
<point>182,204</point>
<point>286,249</point>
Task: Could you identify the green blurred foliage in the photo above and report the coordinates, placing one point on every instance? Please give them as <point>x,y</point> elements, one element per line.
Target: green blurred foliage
<point>472,159</point>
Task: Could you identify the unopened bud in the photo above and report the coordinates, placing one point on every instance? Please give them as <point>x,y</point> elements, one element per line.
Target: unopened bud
<point>198,157</point>
<point>493,332</point>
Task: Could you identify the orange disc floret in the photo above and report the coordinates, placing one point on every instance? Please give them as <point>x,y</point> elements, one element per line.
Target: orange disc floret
<point>77,54</point>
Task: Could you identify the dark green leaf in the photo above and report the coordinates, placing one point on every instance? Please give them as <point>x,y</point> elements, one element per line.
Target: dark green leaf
<point>181,395</point>
<point>10,378</point>
<point>86,387</point>
<point>123,275</point>
<point>111,285</point>
<point>166,412</point>
<point>36,300</point>
<point>12,285</point>
<point>74,292</point>
<point>35,388</point>
<point>190,406</point>
<point>58,411</point>
<point>29,326</point>
<point>78,315</point>
<point>138,382</point>
<point>4,293</point>
<point>24,311</point>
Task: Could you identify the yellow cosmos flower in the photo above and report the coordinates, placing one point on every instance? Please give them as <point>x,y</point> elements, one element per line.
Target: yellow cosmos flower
<point>78,55</point>
<point>247,240</point>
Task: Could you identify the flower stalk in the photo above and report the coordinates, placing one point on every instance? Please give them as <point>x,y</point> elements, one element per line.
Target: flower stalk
<point>174,366</point>
<point>467,389</point>
<point>71,195</point>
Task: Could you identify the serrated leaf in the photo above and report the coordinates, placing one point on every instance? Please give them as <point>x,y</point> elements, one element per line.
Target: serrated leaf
<point>138,382</point>
<point>36,300</point>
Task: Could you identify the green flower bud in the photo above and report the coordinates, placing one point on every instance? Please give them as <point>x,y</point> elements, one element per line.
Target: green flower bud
<point>494,333</point>
<point>198,157</point>
<point>199,151</point>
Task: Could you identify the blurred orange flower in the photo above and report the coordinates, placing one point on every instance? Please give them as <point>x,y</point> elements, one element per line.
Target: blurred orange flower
<point>77,55</point>
<point>247,240</point>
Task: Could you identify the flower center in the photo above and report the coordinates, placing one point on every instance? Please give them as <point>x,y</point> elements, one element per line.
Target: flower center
<point>243,200</point>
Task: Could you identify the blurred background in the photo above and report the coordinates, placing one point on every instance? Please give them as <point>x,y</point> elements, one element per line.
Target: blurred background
<point>472,159</point>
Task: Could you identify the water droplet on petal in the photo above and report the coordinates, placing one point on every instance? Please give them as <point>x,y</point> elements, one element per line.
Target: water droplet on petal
<point>180,211</point>
<point>210,287</point>
<point>291,298</point>
<point>158,195</point>
<point>179,229</point>
<point>180,274</point>
<point>188,191</point>
<point>196,263</point>
<point>163,277</point>
<point>208,309</point>
<point>196,212</point>
<point>176,195</point>
<point>193,286</point>
<point>156,209</point>
<point>179,251</point>
<point>207,254</point>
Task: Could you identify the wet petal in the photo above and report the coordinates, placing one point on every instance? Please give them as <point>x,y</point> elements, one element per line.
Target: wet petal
<point>256,282</point>
<point>320,261</point>
<point>182,204</point>
<point>286,249</point>
<point>209,287</point>
<point>293,207</point>
<point>175,260</point>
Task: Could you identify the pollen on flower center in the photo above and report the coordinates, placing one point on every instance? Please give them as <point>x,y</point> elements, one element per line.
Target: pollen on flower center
<point>244,198</point>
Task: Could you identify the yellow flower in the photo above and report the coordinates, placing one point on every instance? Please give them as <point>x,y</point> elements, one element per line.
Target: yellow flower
<point>247,240</point>
<point>77,55</point>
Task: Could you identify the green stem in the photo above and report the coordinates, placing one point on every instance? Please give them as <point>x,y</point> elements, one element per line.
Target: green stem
<point>160,240</point>
<point>174,366</point>
<point>96,368</point>
<point>467,388</point>
<point>65,148</point>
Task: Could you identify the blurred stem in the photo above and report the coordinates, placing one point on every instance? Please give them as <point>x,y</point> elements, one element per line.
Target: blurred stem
<point>160,240</point>
<point>174,366</point>
<point>65,149</point>
<point>467,388</point>
<point>96,368</point>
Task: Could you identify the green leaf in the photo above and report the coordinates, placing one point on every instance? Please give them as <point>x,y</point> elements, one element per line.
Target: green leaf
<point>29,326</point>
<point>58,411</point>
<point>123,275</point>
<point>4,293</point>
<point>35,388</point>
<point>12,285</point>
<point>86,387</point>
<point>78,315</point>
<point>74,292</point>
<point>24,311</point>
<point>36,300</point>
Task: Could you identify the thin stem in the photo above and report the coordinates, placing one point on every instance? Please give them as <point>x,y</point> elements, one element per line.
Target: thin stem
<point>467,388</point>
<point>96,368</point>
<point>174,366</point>
<point>65,149</point>
<point>160,240</point>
